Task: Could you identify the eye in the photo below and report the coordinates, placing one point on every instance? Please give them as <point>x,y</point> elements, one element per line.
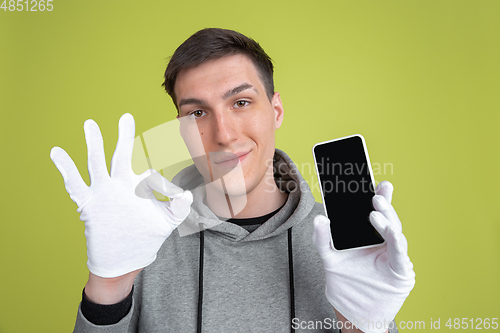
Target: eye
<point>240,104</point>
<point>197,113</point>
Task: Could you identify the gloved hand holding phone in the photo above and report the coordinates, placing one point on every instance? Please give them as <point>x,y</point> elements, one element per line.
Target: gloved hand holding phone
<point>368,285</point>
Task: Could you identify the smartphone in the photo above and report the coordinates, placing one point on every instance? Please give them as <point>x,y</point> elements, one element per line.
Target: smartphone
<point>347,188</point>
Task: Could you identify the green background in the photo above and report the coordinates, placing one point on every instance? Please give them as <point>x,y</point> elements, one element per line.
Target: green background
<point>419,79</point>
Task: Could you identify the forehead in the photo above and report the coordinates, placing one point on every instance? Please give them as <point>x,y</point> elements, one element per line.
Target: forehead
<point>217,76</point>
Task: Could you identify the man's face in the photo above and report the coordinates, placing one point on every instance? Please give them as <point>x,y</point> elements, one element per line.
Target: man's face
<point>234,118</point>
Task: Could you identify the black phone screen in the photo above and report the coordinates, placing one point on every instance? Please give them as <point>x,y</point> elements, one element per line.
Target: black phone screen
<point>347,188</point>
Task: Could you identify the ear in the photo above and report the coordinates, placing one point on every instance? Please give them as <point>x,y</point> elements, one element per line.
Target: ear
<point>278,109</point>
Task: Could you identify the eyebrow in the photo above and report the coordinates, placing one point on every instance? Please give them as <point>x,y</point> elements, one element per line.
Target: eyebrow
<point>226,95</point>
<point>186,101</point>
<point>238,89</point>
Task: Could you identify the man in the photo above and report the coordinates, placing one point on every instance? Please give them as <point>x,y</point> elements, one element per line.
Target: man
<point>252,266</point>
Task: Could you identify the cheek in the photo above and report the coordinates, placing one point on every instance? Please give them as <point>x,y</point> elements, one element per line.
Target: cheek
<point>266,127</point>
<point>264,137</point>
<point>262,123</point>
<point>193,137</point>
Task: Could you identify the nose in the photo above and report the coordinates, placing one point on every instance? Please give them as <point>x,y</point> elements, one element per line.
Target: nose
<point>224,129</point>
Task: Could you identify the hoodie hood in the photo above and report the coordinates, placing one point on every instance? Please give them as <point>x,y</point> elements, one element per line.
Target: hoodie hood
<point>299,204</point>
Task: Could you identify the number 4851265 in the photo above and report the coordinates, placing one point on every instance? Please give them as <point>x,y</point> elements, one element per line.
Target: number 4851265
<point>27,5</point>
<point>472,323</point>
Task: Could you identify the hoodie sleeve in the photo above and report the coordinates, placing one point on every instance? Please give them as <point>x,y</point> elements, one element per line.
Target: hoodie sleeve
<point>93,317</point>
<point>85,326</point>
<point>393,327</point>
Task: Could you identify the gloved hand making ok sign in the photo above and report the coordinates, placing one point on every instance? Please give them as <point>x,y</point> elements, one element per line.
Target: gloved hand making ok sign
<point>125,225</point>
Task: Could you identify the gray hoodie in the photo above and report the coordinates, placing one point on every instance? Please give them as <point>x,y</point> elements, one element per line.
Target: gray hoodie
<point>229,279</point>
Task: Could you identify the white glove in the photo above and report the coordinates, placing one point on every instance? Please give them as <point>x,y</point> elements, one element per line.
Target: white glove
<point>368,286</point>
<point>125,225</point>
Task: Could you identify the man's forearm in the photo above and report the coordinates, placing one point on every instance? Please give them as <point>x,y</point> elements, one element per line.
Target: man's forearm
<point>109,290</point>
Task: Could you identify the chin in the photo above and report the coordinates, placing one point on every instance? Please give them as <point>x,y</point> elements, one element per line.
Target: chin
<point>230,182</point>
<point>227,196</point>
<point>233,185</point>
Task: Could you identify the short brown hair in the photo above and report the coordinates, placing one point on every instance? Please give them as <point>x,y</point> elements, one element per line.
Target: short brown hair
<point>215,43</point>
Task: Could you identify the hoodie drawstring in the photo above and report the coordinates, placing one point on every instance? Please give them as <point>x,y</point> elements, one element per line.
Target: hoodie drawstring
<point>200,280</point>
<point>290,275</point>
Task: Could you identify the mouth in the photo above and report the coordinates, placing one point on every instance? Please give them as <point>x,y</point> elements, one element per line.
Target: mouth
<point>229,158</point>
